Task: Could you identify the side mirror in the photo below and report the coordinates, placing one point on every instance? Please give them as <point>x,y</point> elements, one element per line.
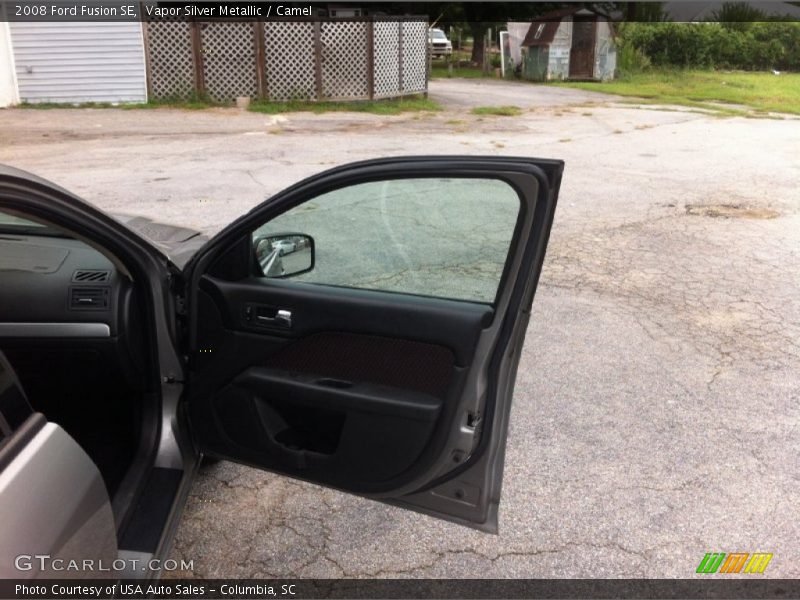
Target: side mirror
<point>284,254</point>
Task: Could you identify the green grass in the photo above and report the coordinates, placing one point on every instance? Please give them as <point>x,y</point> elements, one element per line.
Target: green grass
<point>501,111</point>
<point>391,106</point>
<point>53,105</point>
<point>441,72</point>
<point>185,104</point>
<point>195,104</point>
<point>761,92</point>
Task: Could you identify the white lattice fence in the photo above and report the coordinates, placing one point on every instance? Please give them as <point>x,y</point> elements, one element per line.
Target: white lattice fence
<point>344,60</point>
<point>301,60</point>
<point>415,56</point>
<point>229,60</point>
<point>289,61</point>
<point>386,41</point>
<point>171,65</point>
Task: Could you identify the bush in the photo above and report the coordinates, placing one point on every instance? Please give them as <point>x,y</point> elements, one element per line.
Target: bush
<point>631,59</point>
<point>784,38</point>
<point>761,45</point>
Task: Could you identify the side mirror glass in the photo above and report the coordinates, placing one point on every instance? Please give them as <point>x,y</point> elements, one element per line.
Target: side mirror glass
<point>284,254</point>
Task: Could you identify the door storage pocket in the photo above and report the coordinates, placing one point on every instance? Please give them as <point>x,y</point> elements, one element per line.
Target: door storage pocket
<point>362,432</point>
<point>301,428</point>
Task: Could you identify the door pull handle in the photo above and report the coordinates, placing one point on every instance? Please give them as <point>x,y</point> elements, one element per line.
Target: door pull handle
<point>282,318</point>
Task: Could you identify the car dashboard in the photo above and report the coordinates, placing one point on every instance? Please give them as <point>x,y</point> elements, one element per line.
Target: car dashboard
<point>71,327</point>
<point>57,287</point>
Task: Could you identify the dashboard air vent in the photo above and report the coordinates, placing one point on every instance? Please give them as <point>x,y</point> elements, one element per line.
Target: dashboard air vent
<point>90,276</point>
<point>88,298</point>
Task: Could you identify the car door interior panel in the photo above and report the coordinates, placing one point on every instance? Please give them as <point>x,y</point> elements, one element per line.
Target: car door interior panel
<point>351,408</point>
<point>435,321</point>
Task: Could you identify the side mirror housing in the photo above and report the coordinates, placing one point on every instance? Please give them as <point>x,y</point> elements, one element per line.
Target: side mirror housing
<point>284,254</point>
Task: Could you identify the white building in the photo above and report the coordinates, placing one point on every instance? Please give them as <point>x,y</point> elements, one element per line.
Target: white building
<point>8,81</point>
<point>126,62</point>
<point>72,62</point>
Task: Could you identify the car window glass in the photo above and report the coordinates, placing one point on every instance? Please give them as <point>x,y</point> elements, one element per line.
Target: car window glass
<point>444,237</point>
<point>9,219</point>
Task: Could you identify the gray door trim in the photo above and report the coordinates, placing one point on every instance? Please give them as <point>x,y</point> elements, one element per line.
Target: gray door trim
<point>55,330</point>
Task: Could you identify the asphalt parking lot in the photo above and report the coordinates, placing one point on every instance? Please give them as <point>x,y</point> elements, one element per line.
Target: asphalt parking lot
<point>658,400</point>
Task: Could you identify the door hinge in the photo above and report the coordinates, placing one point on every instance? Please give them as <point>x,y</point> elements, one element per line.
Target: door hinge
<point>178,291</point>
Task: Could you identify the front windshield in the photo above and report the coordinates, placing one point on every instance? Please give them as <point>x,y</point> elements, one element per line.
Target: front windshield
<point>13,224</point>
<point>438,34</point>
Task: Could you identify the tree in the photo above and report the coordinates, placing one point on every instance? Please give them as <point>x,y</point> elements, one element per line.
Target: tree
<point>480,16</point>
<point>477,17</point>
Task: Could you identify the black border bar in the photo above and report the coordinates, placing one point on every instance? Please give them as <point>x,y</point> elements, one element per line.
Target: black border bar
<point>209,10</point>
<point>395,589</point>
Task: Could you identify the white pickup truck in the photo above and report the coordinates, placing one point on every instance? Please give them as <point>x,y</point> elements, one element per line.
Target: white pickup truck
<point>438,43</point>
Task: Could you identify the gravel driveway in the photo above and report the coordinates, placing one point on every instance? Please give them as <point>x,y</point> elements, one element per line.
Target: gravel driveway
<point>658,400</point>
<point>462,94</point>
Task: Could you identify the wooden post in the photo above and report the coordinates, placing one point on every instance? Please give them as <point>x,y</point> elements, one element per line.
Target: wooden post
<point>261,63</point>
<point>371,59</point>
<point>429,63</point>
<point>486,50</point>
<point>400,57</point>
<point>148,72</point>
<point>197,54</point>
<point>318,58</point>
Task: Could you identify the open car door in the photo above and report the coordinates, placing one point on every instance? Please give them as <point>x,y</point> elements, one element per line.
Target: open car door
<point>362,329</point>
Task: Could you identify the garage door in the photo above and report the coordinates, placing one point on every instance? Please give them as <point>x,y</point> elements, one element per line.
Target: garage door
<point>79,62</point>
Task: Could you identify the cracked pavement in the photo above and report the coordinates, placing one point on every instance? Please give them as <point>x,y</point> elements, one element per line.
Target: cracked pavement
<point>657,403</point>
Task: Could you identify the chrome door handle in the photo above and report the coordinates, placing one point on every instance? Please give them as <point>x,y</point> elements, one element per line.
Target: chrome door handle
<point>282,318</point>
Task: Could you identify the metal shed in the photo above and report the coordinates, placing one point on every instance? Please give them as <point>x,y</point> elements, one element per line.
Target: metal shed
<point>79,62</point>
<point>574,43</point>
